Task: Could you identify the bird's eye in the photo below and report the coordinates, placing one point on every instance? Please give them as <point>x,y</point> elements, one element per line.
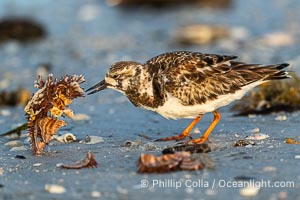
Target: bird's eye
<point>116,76</point>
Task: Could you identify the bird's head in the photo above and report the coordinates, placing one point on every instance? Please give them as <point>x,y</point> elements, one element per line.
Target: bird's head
<point>119,77</point>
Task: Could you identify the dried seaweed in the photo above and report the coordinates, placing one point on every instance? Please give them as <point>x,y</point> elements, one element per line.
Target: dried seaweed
<point>148,163</point>
<point>16,130</point>
<point>270,97</point>
<point>47,105</point>
<point>88,162</point>
<point>20,96</point>
<point>192,148</point>
<point>242,143</point>
<point>20,29</point>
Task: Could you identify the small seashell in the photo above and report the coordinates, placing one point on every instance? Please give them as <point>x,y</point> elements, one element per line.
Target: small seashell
<point>129,143</point>
<point>281,118</point>
<point>14,143</point>
<point>96,194</point>
<point>95,140</point>
<point>258,136</point>
<point>242,143</point>
<point>1,171</point>
<point>87,138</point>
<point>66,138</point>
<point>255,130</point>
<point>196,131</point>
<point>37,164</point>
<point>80,117</point>
<point>269,169</point>
<point>249,191</point>
<point>55,189</point>
<point>21,148</point>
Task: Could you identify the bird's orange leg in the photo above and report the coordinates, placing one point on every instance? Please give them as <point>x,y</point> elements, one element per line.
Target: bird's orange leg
<point>204,137</point>
<point>185,133</point>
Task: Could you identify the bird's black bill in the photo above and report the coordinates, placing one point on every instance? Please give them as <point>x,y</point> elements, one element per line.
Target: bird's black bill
<point>98,87</point>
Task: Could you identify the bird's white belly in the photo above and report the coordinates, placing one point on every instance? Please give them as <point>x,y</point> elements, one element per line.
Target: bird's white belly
<point>174,109</point>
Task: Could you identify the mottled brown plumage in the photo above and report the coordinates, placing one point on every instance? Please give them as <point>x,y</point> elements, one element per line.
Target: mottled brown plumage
<point>187,84</point>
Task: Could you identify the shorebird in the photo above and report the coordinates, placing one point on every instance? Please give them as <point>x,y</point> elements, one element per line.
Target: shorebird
<point>186,84</point>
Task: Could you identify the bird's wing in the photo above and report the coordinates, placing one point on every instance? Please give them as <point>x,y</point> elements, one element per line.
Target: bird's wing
<point>195,78</point>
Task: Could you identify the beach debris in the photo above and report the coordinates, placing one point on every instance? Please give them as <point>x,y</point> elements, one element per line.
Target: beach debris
<point>242,143</point>
<point>95,194</point>
<point>47,105</point>
<point>145,136</point>
<point>20,148</point>
<point>16,130</point>
<point>258,136</point>
<point>277,39</point>
<point>291,141</point>
<point>148,163</point>
<point>249,191</point>
<point>19,96</point>
<point>14,143</point>
<point>37,164</point>
<point>130,143</point>
<point>54,189</point>
<point>255,130</point>
<point>281,118</point>
<point>283,95</point>
<point>192,148</point>
<point>202,3</point>
<point>138,144</point>
<point>20,29</point>
<point>200,34</point>
<point>80,117</point>
<point>91,139</point>
<point>66,138</point>
<point>20,156</point>
<point>88,162</point>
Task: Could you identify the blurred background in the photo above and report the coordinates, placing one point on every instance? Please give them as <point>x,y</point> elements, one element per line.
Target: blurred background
<point>86,37</point>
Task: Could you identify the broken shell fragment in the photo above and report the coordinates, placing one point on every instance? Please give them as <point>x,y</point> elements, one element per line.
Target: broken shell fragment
<point>88,162</point>
<point>55,189</point>
<point>258,136</point>
<point>66,138</point>
<point>93,139</point>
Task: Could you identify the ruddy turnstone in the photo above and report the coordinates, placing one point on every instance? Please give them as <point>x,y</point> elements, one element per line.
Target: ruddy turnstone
<point>186,84</point>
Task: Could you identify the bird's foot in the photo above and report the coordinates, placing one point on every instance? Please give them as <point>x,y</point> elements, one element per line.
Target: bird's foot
<point>176,138</point>
<point>200,140</point>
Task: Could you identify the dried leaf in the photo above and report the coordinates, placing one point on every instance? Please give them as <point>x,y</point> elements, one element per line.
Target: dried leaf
<point>148,163</point>
<point>88,162</point>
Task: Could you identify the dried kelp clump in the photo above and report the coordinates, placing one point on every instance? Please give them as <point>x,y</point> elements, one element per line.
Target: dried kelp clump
<point>20,96</point>
<point>270,97</point>
<point>202,3</point>
<point>20,29</point>
<point>192,148</point>
<point>148,163</point>
<point>49,103</point>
